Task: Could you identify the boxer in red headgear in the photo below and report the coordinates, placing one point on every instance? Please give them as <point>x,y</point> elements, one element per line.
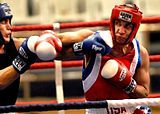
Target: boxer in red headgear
<point>128,13</point>
<point>116,65</point>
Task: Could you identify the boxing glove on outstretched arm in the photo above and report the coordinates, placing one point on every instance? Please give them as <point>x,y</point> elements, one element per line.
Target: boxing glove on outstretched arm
<point>117,73</point>
<point>48,46</point>
<point>45,47</point>
<point>26,55</point>
<point>96,43</point>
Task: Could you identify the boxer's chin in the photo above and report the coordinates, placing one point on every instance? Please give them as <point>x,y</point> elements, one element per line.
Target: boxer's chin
<point>7,40</point>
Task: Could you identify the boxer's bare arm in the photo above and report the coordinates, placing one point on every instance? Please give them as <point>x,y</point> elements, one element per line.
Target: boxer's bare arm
<point>142,77</point>
<point>69,38</point>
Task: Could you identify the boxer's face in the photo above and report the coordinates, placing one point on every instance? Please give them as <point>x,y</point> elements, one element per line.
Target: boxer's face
<point>5,29</point>
<point>122,30</point>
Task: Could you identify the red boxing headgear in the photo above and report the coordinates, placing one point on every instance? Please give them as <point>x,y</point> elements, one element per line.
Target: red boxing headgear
<point>129,13</point>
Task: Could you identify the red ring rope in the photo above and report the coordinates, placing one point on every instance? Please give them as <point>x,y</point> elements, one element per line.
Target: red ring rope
<point>154,58</point>
<point>76,63</point>
<point>44,65</point>
<point>77,24</point>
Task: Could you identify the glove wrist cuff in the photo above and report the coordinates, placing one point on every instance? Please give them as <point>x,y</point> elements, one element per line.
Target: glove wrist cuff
<point>131,87</point>
<point>20,65</point>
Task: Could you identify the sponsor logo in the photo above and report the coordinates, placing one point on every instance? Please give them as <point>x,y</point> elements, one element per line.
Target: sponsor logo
<point>125,16</point>
<point>123,74</point>
<point>7,12</point>
<point>77,47</point>
<point>96,48</point>
<point>23,53</point>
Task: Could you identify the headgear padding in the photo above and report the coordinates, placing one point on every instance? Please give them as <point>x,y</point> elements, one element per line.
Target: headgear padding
<point>5,11</point>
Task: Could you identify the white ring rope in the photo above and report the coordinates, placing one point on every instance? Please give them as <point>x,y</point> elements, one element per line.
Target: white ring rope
<point>135,102</point>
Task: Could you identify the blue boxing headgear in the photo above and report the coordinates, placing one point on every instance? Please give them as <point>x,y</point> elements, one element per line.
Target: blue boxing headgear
<point>5,13</point>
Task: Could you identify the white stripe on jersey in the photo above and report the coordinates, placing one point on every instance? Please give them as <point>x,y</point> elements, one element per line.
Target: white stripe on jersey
<point>135,59</point>
<point>90,80</point>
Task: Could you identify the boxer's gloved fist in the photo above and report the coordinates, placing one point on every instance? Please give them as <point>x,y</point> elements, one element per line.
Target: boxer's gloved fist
<point>117,73</point>
<point>51,36</point>
<point>26,55</point>
<point>99,42</point>
<point>48,46</point>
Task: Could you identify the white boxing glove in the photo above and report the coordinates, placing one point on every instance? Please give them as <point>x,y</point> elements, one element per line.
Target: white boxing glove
<point>32,40</point>
<point>48,46</point>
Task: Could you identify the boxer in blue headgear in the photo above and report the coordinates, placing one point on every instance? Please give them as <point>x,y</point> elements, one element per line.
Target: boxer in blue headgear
<point>16,56</point>
<point>5,13</point>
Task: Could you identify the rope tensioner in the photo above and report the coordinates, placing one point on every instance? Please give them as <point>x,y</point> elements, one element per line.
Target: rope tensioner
<point>80,105</point>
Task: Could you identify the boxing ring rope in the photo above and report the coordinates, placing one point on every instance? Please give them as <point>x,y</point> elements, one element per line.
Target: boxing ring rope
<point>78,63</point>
<point>80,105</point>
<point>146,20</point>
